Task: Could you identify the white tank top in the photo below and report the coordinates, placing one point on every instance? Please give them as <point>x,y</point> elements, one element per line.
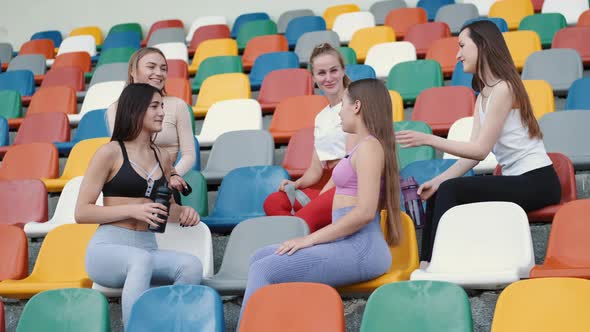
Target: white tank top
<point>515,151</point>
<point>329,139</point>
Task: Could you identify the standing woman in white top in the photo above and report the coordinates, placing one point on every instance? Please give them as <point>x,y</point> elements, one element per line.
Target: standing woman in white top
<point>503,124</point>
<point>330,145</point>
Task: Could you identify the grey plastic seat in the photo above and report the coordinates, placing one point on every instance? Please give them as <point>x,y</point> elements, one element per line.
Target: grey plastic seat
<point>289,15</point>
<point>309,40</point>
<point>247,237</point>
<point>567,132</point>
<point>455,15</point>
<point>560,67</point>
<point>5,52</point>
<point>166,35</point>
<point>110,72</point>
<point>33,62</point>
<point>239,148</point>
<point>380,9</point>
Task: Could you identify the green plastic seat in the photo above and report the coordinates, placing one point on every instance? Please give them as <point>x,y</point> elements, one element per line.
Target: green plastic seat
<point>546,25</point>
<point>198,198</point>
<point>253,29</point>
<point>417,306</point>
<point>348,54</point>
<point>409,155</point>
<point>216,65</point>
<point>113,55</point>
<point>412,77</point>
<point>66,310</point>
<point>11,107</point>
<point>127,27</point>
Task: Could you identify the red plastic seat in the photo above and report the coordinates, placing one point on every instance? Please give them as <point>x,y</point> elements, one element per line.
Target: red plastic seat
<point>281,84</point>
<point>2,317</point>
<point>577,38</point>
<point>261,45</point>
<point>441,107</point>
<point>22,201</point>
<point>74,59</point>
<point>177,68</point>
<point>72,77</point>
<point>179,87</point>
<point>537,5</point>
<point>53,99</point>
<point>402,19</point>
<point>293,114</point>
<point>445,52</point>
<point>215,31</point>
<point>584,19</point>
<point>44,47</point>
<point>161,25</point>
<point>45,127</point>
<point>14,255</point>
<point>423,35</point>
<point>29,161</point>
<point>299,153</point>
<point>567,178</point>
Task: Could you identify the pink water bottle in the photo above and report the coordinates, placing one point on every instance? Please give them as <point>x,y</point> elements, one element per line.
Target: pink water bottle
<point>412,202</point>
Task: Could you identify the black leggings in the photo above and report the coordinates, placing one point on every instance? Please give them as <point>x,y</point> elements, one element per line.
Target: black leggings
<point>532,190</point>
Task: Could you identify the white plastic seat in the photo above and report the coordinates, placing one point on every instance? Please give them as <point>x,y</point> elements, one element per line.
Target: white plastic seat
<point>203,21</point>
<point>64,211</point>
<point>483,245</point>
<point>382,57</point>
<point>230,115</point>
<point>461,131</point>
<point>570,9</point>
<point>81,43</point>
<point>483,6</point>
<point>98,96</point>
<point>346,24</point>
<point>174,51</point>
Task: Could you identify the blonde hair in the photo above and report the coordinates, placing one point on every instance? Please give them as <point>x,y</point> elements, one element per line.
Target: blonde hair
<point>134,62</point>
<point>326,48</point>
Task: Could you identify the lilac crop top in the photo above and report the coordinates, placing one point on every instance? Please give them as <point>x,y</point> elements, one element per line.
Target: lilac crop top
<point>345,178</point>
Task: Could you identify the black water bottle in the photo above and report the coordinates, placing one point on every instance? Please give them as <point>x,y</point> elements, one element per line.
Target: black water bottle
<point>163,194</point>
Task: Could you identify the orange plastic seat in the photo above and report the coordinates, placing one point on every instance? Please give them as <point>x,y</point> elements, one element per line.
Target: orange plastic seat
<point>423,35</point>
<point>72,77</point>
<point>261,45</point>
<point>294,307</point>
<point>177,69</point>
<point>293,114</point>
<point>402,19</point>
<point>281,84</point>
<point>216,31</point>
<point>45,127</point>
<point>44,47</point>
<point>363,39</point>
<point>221,87</point>
<point>73,59</point>
<point>161,25</point>
<point>567,178</point>
<point>14,254</point>
<point>53,99</point>
<point>441,107</point>
<point>512,11</point>
<point>332,12</point>
<point>181,88</point>
<point>30,161</point>
<point>22,201</point>
<point>576,38</point>
<point>299,153</point>
<point>445,52</point>
<point>521,44</point>
<point>584,19</point>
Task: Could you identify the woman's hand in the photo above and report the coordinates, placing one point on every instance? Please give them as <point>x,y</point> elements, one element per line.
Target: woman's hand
<point>188,216</point>
<point>427,189</point>
<point>177,183</point>
<point>284,183</point>
<point>411,138</point>
<point>148,213</point>
<point>291,246</point>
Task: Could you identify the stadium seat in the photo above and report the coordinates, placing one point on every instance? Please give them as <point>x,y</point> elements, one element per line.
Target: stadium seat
<point>205,21</point>
<point>294,113</point>
<point>577,97</point>
<point>115,55</point>
<point>166,35</point>
<point>23,200</point>
<point>432,6</point>
<point>541,97</point>
<point>240,148</point>
<point>425,170</point>
<point>6,54</point>
<point>444,51</point>
<point>30,161</point>
<point>543,305</point>
<point>210,48</point>
<point>216,65</point>
<point>513,11</point>
<point>571,10</point>
<point>424,34</point>
<point>21,81</point>
<point>45,127</point>
<point>73,59</point>
<point>93,31</point>
<point>309,40</point>
<point>253,29</point>
<point>283,83</point>
<point>363,40</point>
<point>262,45</point>
<point>180,88</point>
<point>348,55</point>
<point>404,259</point>
<point>14,255</point>
<point>301,25</point>
<point>173,51</point>
<point>4,129</point>
<point>10,107</point>
<point>268,62</point>
<point>559,67</point>
<point>245,18</point>
<point>99,96</point>
<point>247,237</point>
<point>584,19</point>
<point>418,306</point>
<point>397,106</point>
<point>567,178</point>
<point>567,133</point>
<point>546,25</point>
<point>60,264</point>
<point>72,77</point>
<point>111,72</point>
<point>229,115</point>
<point>54,35</point>
<point>332,12</point>
<point>221,87</point>
<point>177,68</point>
<point>358,72</point>
<point>403,18</point>
<point>207,32</point>
<point>2,317</point>
<point>163,24</point>
<point>410,78</point>
<point>461,131</point>
<point>34,63</point>
<point>521,45</point>
<point>461,78</point>
<point>271,306</point>
<point>406,156</point>
<point>123,39</point>
<point>82,43</point>
<point>44,47</point>
<point>198,198</point>
<point>181,308</point>
<point>286,17</point>
<point>537,5</point>
<point>571,38</point>
<point>347,24</point>
<point>92,125</point>
<point>498,21</point>
<point>123,27</point>
<point>455,15</point>
<point>380,9</point>
<point>299,152</point>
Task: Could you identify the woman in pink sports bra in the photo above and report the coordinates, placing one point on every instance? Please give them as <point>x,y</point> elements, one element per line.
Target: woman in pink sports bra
<point>352,248</point>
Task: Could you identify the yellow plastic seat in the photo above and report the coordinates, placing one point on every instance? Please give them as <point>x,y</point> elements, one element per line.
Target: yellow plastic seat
<point>210,48</point>
<point>404,259</point>
<point>541,97</point>
<point>221,87</point>
<point>332,12</point>
<point>60,263</point>
<point>94,31</point>
<point>521,44</point>
<point>544,305</point>
<point>77,162</point>
<point>363,39</point>
<point>513,11</point>
<point>397,105</point>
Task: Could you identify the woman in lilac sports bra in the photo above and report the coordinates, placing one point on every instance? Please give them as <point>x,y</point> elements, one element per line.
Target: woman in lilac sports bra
<point>352,248</point>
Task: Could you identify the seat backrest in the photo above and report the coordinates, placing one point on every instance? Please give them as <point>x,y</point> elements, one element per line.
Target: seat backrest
<point>245,18</point>
<point>424,34</point>
<point>6,51</point>
<point>418,306</point>
<point>72,77</point>
<point>206,32</point>
<point>568,238</point>
<point>283,83</point>
<point>286,17</point>
<point>380,9</point>
<point>541,97</point>
<point>46,127</point>
<point>30,161</point>
<point>115,55</point>
<point>513,11</point>
<point>460,77</point>
<point>347,23</point>
<point>81,155</point>
<point>216,65</point>
<point>166,35</point>
<point>584,19</point>
<point>23,201</point>
<point>309,40</point>
<point>300,25</point>
<point>93,124</point>
<point>83,43</point>
<point>253,29</point>
<point>10,104</point>
<point>441,107</point>
<point>185,308</point>
<point>130,39</point>
<point>268,62</point>
<point>332,12</point>
<point>546,25</point>
<point>195,240</point>
<point>559,67</point>
<point>444,51</point>
<point>300,150</point>
<point>14,254</point>
<point>54,35</point>
<point>54,99</point>
<point>102,95</point>
<point>498,21</point>
<point>73,305</point>
<point>455,14</point>
<point>397,106</point>
<point>240,149</point>
<point>22,81</point>
<point>122,27</point>
<point>223,87</point>
<point>425,170</point>
<point>33,62</point>
<point>205,21</point>
<point>577,97</point>
<point>198,198</point>
<point>402,19</point>
<point>571,38</point>
<point>262,45</point>
<point>382,57</point>
<point>410,78</point>
<point>214,47</point>
<point>175,50</point>
<point>294,113</point>
<point>43,47</point>
<point>366,38</point>
<point>567,133</point>
<point>93,31</point>
<point>571,10</point>
<point>461,131</point>
<point>229,115</point>
<point>521,44</point>
<point>66,205</point>
<point>4,130</point>
<point>432,6</point>
<point>180,88</point>
<point>177,68</point>
<point>358,72</point>
<point>174,23</point>
<point>73,59</point>
<point>110,72</point>
<point>271,306</point>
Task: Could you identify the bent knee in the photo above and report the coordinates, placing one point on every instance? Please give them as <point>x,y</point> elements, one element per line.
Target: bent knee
<point>190,270</point>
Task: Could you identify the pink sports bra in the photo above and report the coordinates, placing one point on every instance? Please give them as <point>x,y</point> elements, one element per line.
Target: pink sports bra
<point>344,175</point>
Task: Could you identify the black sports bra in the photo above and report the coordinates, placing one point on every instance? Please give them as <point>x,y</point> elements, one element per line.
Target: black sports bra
<point>127,183</point>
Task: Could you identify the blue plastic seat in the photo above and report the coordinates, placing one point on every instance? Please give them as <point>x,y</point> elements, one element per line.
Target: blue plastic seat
<point>461,78</point>
<point>242,194</point>
<point>197,166</point>
<point>92,125</point>
<point>4,140</point>
<point>300,25</point>
<point>22,81</point>
<point>244,18</point>
<point>179,308</point>
<point>50,34</point>
<point>358,72</point>
<point>578,97</point>
<point>432,6</point>
<point>265,63</point>
<point>123,39</point>
<point>498,21</point>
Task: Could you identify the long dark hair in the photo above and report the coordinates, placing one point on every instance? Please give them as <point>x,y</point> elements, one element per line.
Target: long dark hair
<point>131,108</point>
<point>493,54</point>
<point>377,117</point>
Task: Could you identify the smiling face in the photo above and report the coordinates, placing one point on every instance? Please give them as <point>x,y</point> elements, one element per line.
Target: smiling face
<point>328,74</point>
<point>154,116</point>
<point>151,69</point>
<point>468,52</point>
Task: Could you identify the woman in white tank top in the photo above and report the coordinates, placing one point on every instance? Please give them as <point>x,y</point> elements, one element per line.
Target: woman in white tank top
<point>503,124</point>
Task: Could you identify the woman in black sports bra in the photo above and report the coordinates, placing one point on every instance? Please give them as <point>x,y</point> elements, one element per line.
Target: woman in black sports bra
<point>128,170</point>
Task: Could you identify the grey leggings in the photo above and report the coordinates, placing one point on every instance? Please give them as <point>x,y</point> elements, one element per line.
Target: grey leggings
<point>119,257</point>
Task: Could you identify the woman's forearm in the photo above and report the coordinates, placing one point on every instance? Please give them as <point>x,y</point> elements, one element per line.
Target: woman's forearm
<point>95,214</point>
<point>468,150</point>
